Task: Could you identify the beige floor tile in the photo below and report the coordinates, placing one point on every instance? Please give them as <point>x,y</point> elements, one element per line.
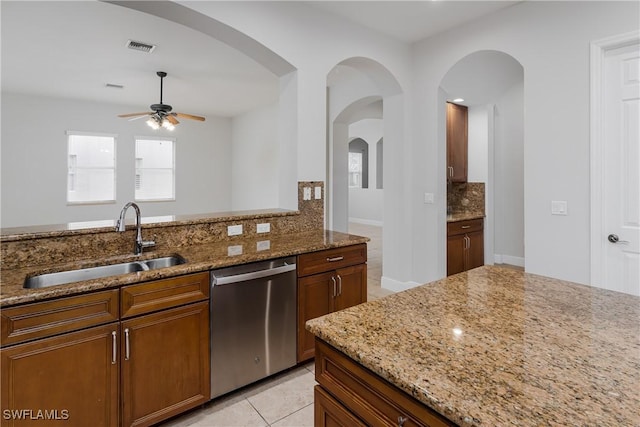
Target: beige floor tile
<point>238,414</point>
<point>284,399</point>
<point>301,418</point>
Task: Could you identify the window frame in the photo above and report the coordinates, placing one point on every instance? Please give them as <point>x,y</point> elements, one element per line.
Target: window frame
<point>69,134</point>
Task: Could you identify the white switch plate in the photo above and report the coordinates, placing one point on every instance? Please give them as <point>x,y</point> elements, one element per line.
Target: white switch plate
<point>428,198</point>
<point>558,207</point>
<point>263,228</point>
<point>263,245</point>
<point>234,250</point>
<point>234,230</point>
<point>318,193</point>
<point>306,193</point>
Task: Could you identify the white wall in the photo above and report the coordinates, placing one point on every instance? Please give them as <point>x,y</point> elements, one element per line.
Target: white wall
<point>553,47</point>
<point>34,161</point>
<point>255,160</point>
<point>509,177</point>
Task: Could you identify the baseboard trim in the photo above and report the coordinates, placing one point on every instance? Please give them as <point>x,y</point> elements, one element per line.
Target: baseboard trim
<point>396,285</point>
<point>366,221</point>
<point>508,259</point>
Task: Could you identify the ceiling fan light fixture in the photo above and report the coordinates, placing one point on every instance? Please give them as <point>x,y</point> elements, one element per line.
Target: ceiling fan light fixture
<point>153,123</point>
<point>167,125</point>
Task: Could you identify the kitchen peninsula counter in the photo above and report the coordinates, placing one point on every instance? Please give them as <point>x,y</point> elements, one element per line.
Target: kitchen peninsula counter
<point>199,257</point>
<point>496,347</point>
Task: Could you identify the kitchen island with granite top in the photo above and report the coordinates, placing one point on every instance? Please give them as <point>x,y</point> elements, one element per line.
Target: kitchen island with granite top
<point>487,347</point>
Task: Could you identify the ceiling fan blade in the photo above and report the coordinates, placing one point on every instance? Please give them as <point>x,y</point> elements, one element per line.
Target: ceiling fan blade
<point>172,119</point>
<point>134,114</point>
<point>189,116</point>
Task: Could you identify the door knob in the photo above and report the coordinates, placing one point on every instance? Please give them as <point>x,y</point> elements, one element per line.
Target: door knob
<point>613,238</point>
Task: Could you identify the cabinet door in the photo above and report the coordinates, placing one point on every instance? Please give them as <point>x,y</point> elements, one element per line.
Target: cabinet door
<point>72,379</point>
<point>455,254</point>
<point>457,142</point>
<point>315,299</point>
<point>328,412</point>
<point>165,364</point>
<point>475,252</point>
<point>352,286</point>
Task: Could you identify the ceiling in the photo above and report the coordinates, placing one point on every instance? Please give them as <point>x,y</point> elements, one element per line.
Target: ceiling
<point>73,49</point>
<point>410,21</point>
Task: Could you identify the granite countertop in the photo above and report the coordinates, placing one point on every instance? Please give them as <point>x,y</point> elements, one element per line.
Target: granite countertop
<point>463,216</point>
<point>199,258</point>
<point>496,347</point>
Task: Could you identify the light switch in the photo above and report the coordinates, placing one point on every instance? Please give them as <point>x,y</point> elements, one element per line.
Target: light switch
<point>318,194</point>
<point>428,198</point>
<point>558,207</point>
<point>306,193</point>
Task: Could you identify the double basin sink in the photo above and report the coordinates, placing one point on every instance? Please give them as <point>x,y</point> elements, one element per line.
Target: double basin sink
<point>89,273</point>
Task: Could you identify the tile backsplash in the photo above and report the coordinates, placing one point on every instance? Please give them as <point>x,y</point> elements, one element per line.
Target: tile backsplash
<point>467,198</point>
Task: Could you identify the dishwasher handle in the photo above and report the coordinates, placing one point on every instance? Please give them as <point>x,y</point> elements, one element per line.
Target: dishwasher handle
<point>227,280</point>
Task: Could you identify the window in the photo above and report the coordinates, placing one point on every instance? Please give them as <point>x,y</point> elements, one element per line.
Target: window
<point>155,169</point>
<point>91,168</point>
<point>355,170</point>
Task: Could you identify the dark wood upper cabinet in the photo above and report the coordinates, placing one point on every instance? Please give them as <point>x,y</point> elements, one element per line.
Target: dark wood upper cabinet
<point>457,142</point>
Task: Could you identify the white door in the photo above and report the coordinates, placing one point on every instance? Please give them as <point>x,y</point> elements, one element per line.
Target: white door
<point>619,235</point>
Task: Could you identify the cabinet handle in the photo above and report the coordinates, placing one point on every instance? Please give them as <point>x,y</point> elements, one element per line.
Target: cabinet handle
<point>401,420</point>
<point>114,348</point>
<point>333,279</point>
<point>126,344</point>
<point>464,227</point>
<point>339,285</point>
<point>468,242</point>
<point>335,258</point>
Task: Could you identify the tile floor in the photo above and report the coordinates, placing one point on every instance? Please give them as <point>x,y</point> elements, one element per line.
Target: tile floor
<point>286,399</point>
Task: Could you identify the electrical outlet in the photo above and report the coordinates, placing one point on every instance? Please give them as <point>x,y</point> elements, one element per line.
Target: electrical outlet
<point>234,230</point>
<point>318,193</point>
<point>263,245</point>
<point>306,193</point>
<point>263,228</point>
<point>234,250</point>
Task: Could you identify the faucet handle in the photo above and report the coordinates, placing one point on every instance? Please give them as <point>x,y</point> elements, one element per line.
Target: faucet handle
<point>148,243</point>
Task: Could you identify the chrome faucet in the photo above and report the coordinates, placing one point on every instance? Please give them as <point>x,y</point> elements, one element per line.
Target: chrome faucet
<point>139,244</point>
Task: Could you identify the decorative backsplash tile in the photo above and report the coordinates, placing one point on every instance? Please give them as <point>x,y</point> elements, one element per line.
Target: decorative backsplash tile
<point>69,246</point>
<point>467,198</point>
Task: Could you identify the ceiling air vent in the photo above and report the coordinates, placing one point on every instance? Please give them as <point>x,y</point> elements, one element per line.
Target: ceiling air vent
<point>143,47</point>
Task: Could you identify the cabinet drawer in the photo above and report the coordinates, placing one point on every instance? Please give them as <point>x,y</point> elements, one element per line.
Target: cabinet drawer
<point>162,294</point>
<point>47,318</point>
<point>331,259</point>
<point>366,395</point>
<point>461,227</point>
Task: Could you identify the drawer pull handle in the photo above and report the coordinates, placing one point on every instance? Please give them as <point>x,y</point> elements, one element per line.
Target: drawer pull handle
<point>127,350</point>
<point>335,258</point>
<point>333,279</point>
<point>464,227</point>
<point>114,348</point>
<point>401,420</point>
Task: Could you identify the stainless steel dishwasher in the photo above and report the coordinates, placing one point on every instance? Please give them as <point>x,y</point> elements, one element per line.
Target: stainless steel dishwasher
<point>253,322</point>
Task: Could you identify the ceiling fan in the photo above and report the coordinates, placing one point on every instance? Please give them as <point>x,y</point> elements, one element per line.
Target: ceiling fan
<point>161,116</point>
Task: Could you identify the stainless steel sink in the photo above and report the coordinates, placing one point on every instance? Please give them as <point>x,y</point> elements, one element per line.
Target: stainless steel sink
<point>71,276</point>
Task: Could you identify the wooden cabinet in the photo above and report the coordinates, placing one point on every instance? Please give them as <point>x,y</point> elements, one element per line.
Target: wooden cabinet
<point>165,364</point>
<point>74,358</point>
<point>465,245</point>
<point>457,142</point>
<point>350,395</point>
<point>328,281</point>
<point>72,379</point>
